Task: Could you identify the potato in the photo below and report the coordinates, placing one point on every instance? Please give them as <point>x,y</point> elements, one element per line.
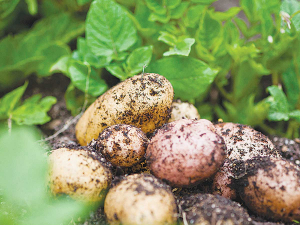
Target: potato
<point>140,199</point>
<point>183,110</point>
<point>185,152</point>
<point>223,181</point>
<point>243,142</point>
<point>270,187</point>
<point>206,209</point>
<point>143,101</point>
<point>123,145</point>
<point>79,173</point>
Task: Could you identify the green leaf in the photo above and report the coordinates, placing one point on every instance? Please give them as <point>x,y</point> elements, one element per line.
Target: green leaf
<point>138,59</point>
<point>53,53</point>
<point>181,48</point>
<point>190,77</point>
<point>167,38</point>
<point>117,71</point>
<point>10,100</point>
<point>61,65</point>
<point>178,12</point>
<point>86,78</point>
<point>206,2</point>
<point>34,110</point>
<point>20,55</point>
<point>241,53</point>
<point>290,7</point>
<point>86,55</point>
<point>292,88</point>
<point>83,2</point>
<point>279,108</point>
<point>7,7</point>
<point>23,165</point>
<point>193,15</point>
<point>295,115</point>
<point>171,4</point>
<point>208,31</point>
<point>156,6</point>
<point>109,30</point>
<point>159,18</point>
<point>230,13</point>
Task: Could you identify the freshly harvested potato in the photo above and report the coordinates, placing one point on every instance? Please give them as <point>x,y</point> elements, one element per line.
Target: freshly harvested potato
<point>183,110</point>
<point>140,199</point>
<point>123,145</point>
<point>206,209</point>
<point>270,187</point>
<point>143,101</point>
<point>185,152</point>
<point>223,181</point>
<point>79,173</point>
<point>243,142</point>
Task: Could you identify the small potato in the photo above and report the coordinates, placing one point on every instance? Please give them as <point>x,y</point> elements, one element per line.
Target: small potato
<point>143,101</point>
<point>140,199</point>
<point>183,110</point>
<point>206,209</point>
<point>270,187</point>
<point>123,145</point>
<point>79,173</point>
<point>185,152</point>
<point>243,142</point>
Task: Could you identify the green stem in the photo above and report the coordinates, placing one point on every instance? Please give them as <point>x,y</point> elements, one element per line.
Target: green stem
<point>270,130</point>
<point>224,93</point>
<point>275,78</point>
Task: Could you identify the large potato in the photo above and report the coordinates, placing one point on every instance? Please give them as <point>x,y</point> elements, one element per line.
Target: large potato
<point>143,101</point>
<point>270,187</point>
<point>79,173</point>
<point>140,199</point>
<point>185,152</point>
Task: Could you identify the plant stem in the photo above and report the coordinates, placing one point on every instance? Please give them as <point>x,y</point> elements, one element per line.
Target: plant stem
<point>275,78</point>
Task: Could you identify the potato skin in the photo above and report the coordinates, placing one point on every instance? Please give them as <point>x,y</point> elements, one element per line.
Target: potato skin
<point>140,199</point>
<point>185,152</point>
<point>180,110</point>
<point>79,173</point>
<point>143,101</point>
<point>243,142</point>
<point>123,145</point>
<point>270,187</point>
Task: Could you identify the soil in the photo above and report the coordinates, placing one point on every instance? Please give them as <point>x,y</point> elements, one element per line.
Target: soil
<point>56,85</point>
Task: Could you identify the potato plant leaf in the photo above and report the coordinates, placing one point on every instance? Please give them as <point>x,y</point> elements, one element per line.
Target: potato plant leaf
<point>109,30</point>
<point>290,7</point>
<point>10,100</point>
<point>139,58</point>
<point>190,77</point>
<point>279,108</point>
<point>33,111</point>
<point>193,15</point>
<point>83,75</point>
<point>182,47</point>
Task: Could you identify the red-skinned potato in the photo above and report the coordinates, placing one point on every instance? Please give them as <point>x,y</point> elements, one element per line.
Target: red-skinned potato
<point>140,199</point>
<point>185,152</point>
<point>79,173</point>
<point>270,187</point>
<point>143,101</point>
<point>223,181</point>
<point>123,145</point>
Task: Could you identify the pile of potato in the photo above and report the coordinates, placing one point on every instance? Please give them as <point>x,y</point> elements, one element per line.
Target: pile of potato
<point>137,120</point>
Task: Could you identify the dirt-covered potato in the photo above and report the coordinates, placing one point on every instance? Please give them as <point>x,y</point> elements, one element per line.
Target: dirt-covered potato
<point>181,110</point>
<point>185,152</point>
<point>243,142</point>
<point>140,199</point>
<point>270,187</point>
<point>123,145</point>
<point>206,209</point>
<point>79,173</point>
<point>143,101</point>
<point>223,181</point>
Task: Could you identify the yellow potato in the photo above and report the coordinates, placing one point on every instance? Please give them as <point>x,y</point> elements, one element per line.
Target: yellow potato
<point>143,101</point>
